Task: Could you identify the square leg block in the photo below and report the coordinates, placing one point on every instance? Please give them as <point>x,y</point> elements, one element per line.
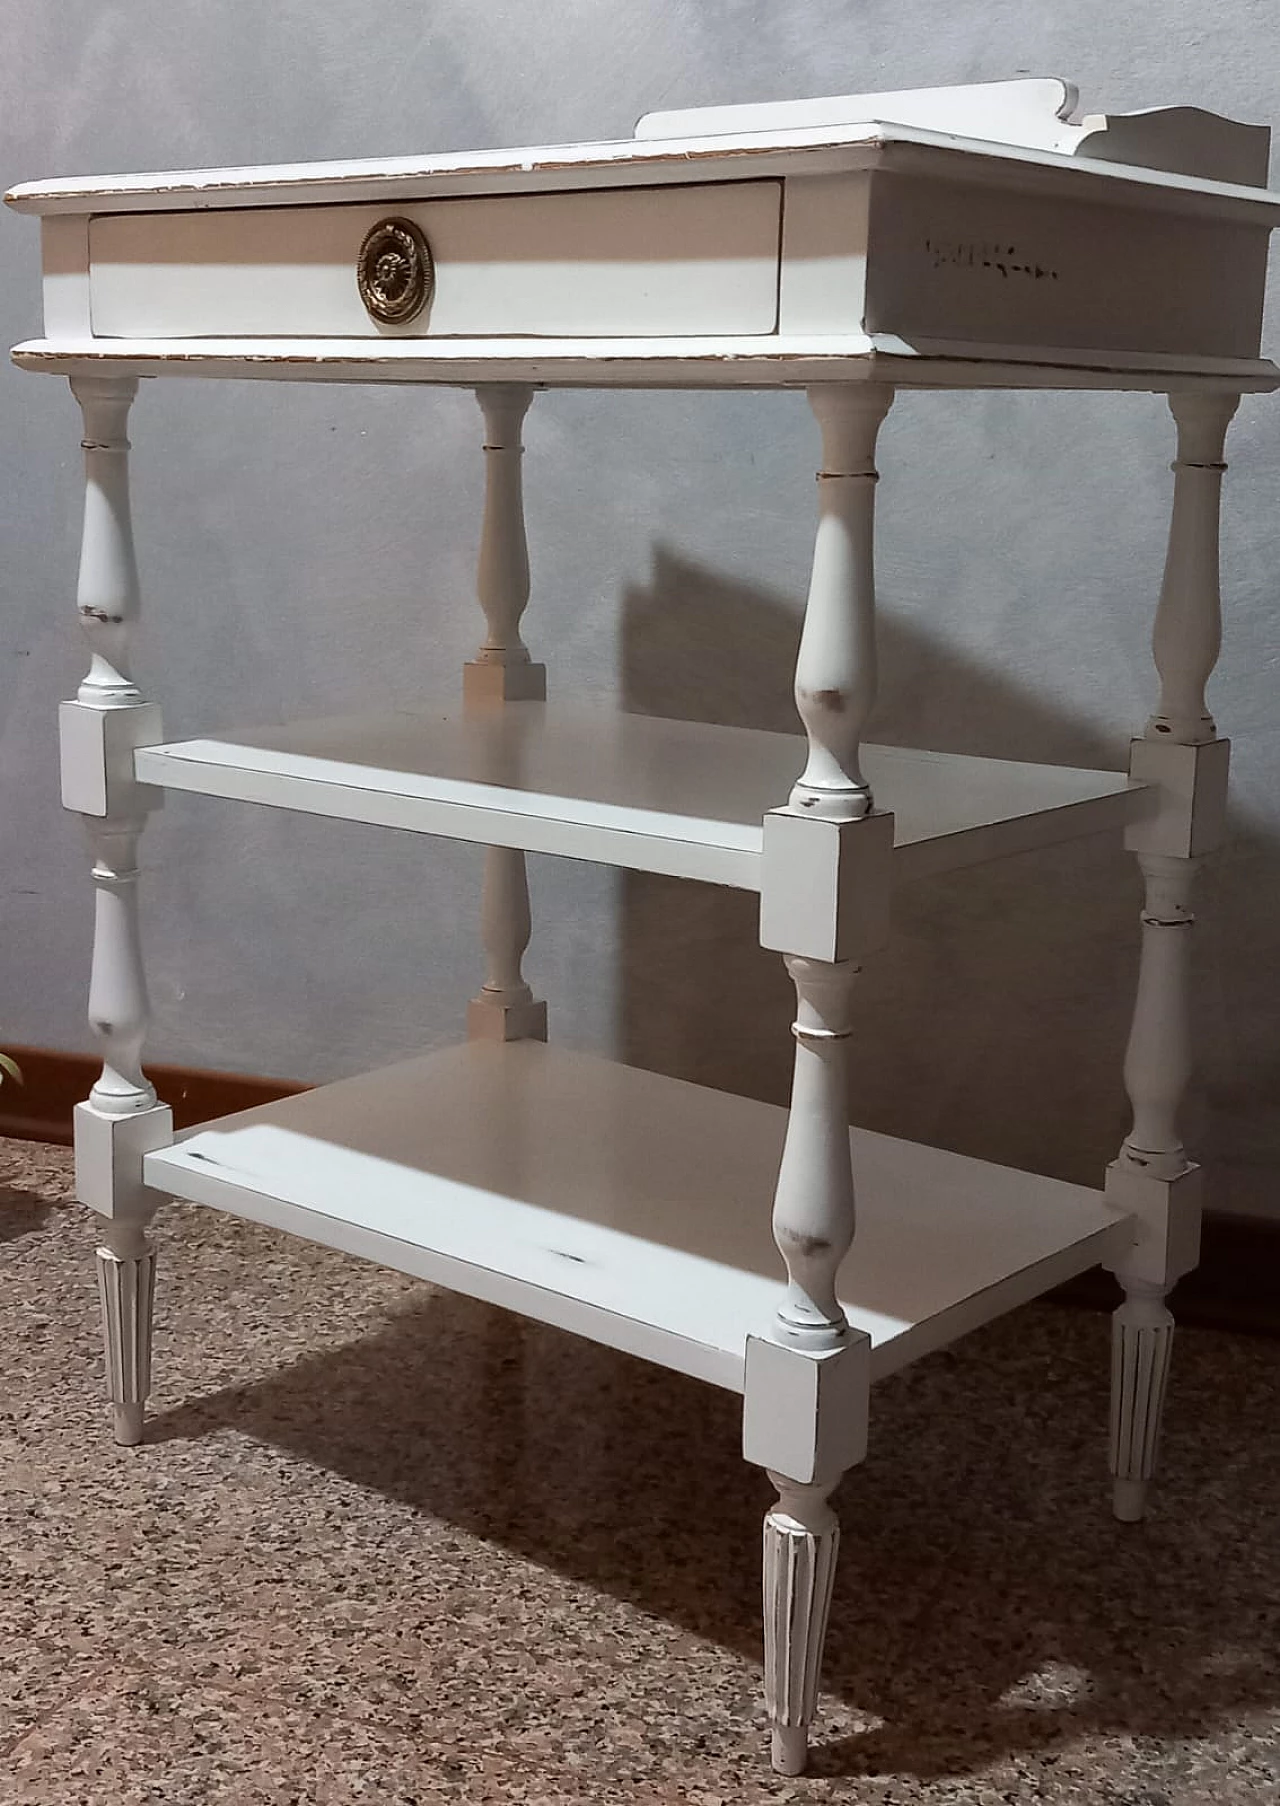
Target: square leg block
<point>483,684</point>
<point>97,748</point>
<point>805,1414</point>
<point>825,885</point>
<point>109,1151</point>
<point>1189,802</point>
<point>1167,1213</point>
<point>506,1021</point>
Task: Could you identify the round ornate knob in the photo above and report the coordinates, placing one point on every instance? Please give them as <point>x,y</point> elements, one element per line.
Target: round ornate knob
<point>395,271</point>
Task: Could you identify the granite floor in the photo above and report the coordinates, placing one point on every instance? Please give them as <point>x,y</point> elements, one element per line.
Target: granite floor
<point>387,1545</point>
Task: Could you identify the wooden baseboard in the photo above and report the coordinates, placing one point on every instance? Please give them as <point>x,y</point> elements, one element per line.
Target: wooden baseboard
<point>1234,1288</point>
<point>39,1109</point>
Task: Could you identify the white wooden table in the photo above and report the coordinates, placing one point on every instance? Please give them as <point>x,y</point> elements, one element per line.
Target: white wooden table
<point>987,237</point>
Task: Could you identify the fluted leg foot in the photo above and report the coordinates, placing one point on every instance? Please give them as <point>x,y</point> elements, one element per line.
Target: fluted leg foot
<point>801,1538</point>
<point>790,1748</point>
<point>126,1287</point>
<point>127,1423</point>
<point>1141,1346</point>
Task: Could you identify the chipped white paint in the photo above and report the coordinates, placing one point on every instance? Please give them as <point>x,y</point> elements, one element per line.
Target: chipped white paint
<point>502,670</point>
<point>1152,1174</point>
<point>813,1211</point>
<point>801,1542</point>
<point>107,592</point>
<point>1157,1065</point>
<point>502,673</point>
<point>559,257</point>
<point>630,1207</point>
<point>122,1116</point>
<point>699,150</point>
<point>506,1008</point>
<point>615,1203</point>
<point>119,1009</point>
<point>678,363</point>
<point>126,1290</point>
<point>555,265</point>
<point>1141,1345</point>
<point>586,782</point>
<point>1188,629</point>
<point>835,685</point>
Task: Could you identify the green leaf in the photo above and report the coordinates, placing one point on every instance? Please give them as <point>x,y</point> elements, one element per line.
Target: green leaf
<point>11,1067</point>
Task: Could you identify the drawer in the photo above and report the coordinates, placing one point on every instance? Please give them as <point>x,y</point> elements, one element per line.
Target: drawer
<point>623,262</point>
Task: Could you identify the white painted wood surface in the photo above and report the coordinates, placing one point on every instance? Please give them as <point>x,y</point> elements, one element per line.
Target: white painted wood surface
<point>126,1295</point>
<point>686,363</point>
<point>626,1206</point>
<point>801,1543</point>
<point>107,586</point>
<point>1141,1350</point>
<point>718,157</point>
<point>908,240</point>
<point>1038,113</point>
<point>1188,626</point>
<point>637,791</point>
<point>652,261</point>
<point>122,1113</point>
<point>618,1204</point>
<point>835,681</point>
<point>1152,1174</point>
<point>502,671</point>
<point>1032,112</point>
<point>1158,1061</point>
<point>813,1205</point>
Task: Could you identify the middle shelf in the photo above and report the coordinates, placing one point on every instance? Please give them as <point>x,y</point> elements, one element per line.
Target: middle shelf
<point>638,791</point>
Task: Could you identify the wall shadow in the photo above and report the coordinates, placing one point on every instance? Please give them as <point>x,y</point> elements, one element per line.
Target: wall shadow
<point>994,1023</point>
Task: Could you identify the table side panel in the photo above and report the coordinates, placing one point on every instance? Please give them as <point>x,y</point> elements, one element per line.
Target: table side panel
<point>951,262</point>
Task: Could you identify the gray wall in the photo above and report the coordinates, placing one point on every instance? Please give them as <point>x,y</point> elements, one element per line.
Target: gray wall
<point>310,549</point>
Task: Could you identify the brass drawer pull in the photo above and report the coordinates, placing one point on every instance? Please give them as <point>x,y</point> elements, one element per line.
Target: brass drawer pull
<point>395,271</point>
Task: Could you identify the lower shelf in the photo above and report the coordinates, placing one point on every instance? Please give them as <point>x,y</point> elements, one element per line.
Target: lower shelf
<point>627,1207</point>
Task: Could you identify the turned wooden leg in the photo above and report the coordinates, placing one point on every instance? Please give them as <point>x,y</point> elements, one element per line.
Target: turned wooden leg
<point>506,1008</point>
<point>122,1119</point>
<point>502,672</point>
<point>825,884</point>
<point>1181,757</point>
<point>1153,1170</point>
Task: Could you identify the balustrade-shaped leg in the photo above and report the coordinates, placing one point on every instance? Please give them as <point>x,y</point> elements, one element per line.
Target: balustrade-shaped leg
<point>1182,758</point>
<point>501,673</point>
<point>824,902</point>
<point>122,1119</point>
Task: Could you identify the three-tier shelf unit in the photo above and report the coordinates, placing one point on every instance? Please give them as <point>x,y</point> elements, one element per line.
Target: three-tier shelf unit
<point>985,237</point>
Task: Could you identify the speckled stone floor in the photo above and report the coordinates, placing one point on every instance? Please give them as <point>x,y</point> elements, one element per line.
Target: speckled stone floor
<point>387,1545</point>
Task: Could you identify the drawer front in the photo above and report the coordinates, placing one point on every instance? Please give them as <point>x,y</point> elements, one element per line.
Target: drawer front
<point>641,262</point>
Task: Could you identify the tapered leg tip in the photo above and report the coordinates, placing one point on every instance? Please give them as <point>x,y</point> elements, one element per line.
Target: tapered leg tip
<point>1129,1500</point>
<point>790,1748</point>
<point>128,1424</point>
